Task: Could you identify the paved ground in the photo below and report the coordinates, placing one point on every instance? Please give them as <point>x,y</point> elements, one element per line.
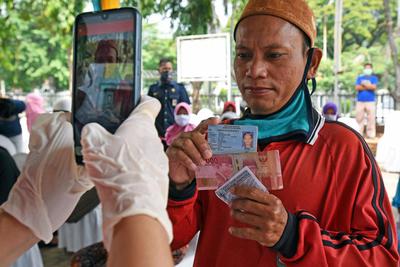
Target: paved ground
<point>55,257</point>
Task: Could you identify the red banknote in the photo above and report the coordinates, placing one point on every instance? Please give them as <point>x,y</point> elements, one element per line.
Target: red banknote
<point>220,168</point>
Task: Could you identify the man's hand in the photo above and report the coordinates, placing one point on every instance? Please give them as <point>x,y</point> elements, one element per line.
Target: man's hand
<point>188,151</point>
<point>263,212</point>
<point>365,83</point>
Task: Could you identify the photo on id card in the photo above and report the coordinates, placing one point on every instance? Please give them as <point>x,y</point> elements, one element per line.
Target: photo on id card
<point>228,139</point>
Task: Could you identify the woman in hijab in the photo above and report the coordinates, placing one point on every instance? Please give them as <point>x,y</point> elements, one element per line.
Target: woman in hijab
<point>330,111</point>
<point>229,111</point>
<point>182,114</point>
<point>34,107</point>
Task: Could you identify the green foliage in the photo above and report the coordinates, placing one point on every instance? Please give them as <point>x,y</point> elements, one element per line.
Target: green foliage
<point>155,47</point>
<point>35,41</point>
<point>146,7</point>
<point>363,23</point>
<point>352,66</point>
<point>36,37</point>
<point>364,40</point>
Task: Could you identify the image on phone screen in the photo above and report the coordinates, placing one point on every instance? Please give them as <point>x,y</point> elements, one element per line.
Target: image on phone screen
<point>105,75</point>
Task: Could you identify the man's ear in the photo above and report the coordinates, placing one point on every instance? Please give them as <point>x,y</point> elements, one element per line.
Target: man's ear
<point>316,59</point>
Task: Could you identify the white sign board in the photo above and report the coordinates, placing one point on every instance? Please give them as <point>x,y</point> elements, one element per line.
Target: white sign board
<point>204,58</point>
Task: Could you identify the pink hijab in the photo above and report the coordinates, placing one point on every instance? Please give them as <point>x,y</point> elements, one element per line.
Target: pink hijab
<point>174,130</point>
<point>34,107</point>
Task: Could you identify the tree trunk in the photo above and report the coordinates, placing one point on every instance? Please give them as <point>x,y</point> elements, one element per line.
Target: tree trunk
<point>70,67</point>
<point>394,52</point>
<point>196,105</point>
<point>325,38</point>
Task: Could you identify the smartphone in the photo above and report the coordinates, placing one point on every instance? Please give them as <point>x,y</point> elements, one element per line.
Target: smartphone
<point>106,69</point>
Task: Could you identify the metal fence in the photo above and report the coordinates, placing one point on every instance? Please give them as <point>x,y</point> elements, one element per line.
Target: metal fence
<point>385,103</point>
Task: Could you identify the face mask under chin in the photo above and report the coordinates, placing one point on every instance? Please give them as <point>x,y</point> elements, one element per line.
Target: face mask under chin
<point>330,117</point>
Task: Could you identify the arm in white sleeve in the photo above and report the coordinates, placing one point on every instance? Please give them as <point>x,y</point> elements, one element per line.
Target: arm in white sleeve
<point>50,183</point>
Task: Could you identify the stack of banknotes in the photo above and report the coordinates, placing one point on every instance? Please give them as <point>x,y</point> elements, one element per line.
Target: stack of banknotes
<point>244,176</point>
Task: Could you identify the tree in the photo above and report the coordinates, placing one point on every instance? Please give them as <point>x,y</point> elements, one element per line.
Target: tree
<point>394,51</point>
<point>35,39</point>
<point>36,36</point>
<point>192,22</point>
<point>154,48</point>
<point>363,23</point>
<point>364,40</point>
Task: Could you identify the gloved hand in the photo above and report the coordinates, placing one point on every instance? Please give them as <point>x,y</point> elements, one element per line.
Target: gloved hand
<point>129,168</point>
<point>50,183</point>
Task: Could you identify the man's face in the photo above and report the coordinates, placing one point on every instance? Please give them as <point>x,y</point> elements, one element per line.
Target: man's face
<point>368,67</point>
<point>165,67</point>
<point>106,55</point>
<point>248,140</point>
<point>230,109</point>
<point>182,111</point>
<point>269,63</point>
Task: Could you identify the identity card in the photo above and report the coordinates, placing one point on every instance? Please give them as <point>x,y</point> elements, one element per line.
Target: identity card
<point>227,139</point>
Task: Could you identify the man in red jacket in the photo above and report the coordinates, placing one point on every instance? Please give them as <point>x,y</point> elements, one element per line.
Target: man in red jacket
<point>333,209</point>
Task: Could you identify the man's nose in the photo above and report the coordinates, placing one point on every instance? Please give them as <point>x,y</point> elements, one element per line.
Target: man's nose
<point>257,68</point>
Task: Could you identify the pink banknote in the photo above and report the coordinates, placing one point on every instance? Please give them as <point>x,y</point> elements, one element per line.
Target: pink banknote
<point>220,168</point>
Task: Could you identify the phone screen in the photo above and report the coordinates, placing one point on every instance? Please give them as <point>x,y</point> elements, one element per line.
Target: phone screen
<point>106,79</point>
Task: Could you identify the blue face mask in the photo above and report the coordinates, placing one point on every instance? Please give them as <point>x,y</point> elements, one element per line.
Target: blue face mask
<point>295,120</point>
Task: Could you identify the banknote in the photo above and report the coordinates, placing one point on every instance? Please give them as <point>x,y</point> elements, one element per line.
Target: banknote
<point>220,168</point>
<point>226,139</point>
<point>243,177</point>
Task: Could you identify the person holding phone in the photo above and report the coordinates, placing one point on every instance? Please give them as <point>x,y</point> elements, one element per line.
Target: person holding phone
<point>133,190</point>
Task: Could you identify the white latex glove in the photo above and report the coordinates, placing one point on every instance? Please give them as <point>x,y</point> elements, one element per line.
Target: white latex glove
<point>50,183</point>
<point>129,168</point>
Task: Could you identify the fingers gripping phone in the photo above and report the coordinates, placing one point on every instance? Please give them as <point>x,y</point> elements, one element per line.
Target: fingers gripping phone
<point>106,69</point>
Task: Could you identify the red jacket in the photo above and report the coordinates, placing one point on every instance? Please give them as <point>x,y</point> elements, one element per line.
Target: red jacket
<point>335,190</point>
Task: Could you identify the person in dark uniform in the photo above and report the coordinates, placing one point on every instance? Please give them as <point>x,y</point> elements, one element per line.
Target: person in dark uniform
<point>8,174</point>
<point>169,93</point>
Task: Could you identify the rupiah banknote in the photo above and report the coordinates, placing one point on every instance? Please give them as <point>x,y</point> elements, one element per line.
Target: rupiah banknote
<point>220,168</point>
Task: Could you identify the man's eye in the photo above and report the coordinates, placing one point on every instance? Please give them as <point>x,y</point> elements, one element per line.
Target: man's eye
<point>243,55</point>
<point>274,55</point>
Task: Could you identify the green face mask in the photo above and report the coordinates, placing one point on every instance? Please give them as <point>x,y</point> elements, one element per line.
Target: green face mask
<point>295,120</point>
